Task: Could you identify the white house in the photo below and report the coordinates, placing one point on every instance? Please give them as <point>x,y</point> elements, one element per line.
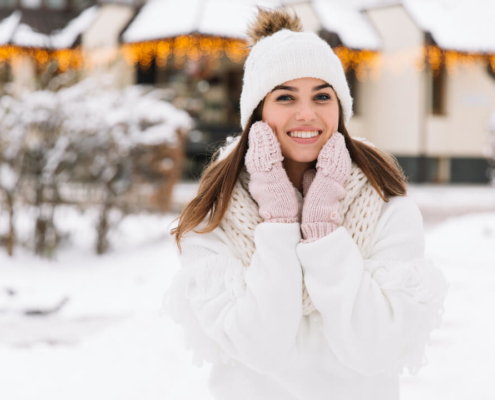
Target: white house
<point>433,115</point>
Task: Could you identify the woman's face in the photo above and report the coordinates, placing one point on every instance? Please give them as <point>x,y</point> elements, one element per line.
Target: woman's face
<point>302,107</point>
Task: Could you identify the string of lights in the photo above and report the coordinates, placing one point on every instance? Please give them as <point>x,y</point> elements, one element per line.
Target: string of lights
<point>65,58</point>
<point>191,46</point>
<point>452,60</point>
<point>366,64</point>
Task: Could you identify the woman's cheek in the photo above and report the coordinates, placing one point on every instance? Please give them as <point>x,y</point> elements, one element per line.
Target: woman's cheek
<point>278,132</point>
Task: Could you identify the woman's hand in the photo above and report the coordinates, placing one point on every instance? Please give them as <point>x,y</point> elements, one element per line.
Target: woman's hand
<point>324,190</point>
<point>269,185</point>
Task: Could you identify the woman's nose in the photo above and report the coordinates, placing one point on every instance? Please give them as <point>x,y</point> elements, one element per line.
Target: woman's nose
<point>305,113</point>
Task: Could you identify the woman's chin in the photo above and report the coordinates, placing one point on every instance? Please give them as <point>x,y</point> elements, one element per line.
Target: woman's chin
<point>302,158</point>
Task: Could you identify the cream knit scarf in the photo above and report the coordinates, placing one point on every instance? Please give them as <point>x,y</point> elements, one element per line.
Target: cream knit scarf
<point>360,209</point>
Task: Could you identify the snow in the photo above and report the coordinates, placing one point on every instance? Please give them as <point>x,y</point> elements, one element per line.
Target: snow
<point>67,36</point>
<point>163,19</point>
<point>111,341</point>
<point>23,35</point>
<point>439,202</point>
<point>8,177</point>
<point>159,19</point>
<point>8,26</point>
<point>352,26</point>
<point>460,25</point>
<point>133,115</point>
<point>166,18</point>
<point>227,18</point>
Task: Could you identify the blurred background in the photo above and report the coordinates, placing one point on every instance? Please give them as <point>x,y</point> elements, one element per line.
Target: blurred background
<point>109,111</point>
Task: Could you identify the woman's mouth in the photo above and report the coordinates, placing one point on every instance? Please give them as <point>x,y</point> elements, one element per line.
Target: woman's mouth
<point>304,137</point>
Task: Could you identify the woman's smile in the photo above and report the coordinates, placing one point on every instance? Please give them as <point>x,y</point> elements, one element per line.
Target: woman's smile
<point>302,135</point>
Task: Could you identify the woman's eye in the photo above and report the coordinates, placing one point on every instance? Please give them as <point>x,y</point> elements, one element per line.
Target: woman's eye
<point>323,96</point>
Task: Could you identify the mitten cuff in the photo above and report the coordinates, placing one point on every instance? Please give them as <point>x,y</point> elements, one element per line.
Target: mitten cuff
<point>283,220</point>
<point>313,231</point>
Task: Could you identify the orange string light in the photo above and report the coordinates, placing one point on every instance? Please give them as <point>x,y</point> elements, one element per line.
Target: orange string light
<point>452,60</point>
<point>66,58</point>
<point>192,47</point>
<point>365,63</point>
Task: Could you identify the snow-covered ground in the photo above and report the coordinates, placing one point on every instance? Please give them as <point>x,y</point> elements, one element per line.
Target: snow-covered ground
<point>109,341</point>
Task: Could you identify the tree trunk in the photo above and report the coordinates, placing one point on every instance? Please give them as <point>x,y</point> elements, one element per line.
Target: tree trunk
<point>11,237</point>
<point>102,229</point>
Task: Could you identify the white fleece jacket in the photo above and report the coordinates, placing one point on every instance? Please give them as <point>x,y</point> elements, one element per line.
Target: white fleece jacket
<point>373,316</point>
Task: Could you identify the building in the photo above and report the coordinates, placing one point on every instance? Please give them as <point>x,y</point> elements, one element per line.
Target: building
<point>196,49</point>
<point>421,72</point>
<point>431,103</point>
<point>33,33</point>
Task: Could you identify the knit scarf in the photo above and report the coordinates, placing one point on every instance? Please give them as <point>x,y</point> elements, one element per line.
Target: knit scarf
<point>360,210</point>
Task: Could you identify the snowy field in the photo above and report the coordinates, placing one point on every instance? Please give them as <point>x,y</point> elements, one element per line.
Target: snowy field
<point>108,340</point>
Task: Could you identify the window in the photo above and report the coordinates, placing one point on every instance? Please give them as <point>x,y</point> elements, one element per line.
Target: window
<point>234,89</point>
<point>56,4</point>
<point>490,68</point>
<point>127,2</point>
<point>438,97</point>
<point>8,3</point>
<point>31,3</point>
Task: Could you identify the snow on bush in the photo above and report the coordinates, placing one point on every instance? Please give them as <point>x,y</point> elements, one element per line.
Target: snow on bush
<point>87,133</point>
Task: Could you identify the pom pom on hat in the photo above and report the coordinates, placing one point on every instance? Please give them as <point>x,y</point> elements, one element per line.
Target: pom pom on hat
<point>269,22</point>
<point>281,52</point>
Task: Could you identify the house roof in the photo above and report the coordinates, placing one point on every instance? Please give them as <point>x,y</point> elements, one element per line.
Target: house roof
<point>169,18</point>
<point>161,19</point>
<point>352,26</point>
<point>462,25</point>
<point>51,29</point>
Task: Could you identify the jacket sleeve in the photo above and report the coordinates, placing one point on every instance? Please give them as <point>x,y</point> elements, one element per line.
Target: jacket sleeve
<point>249,314</point>
<point>377,314</point>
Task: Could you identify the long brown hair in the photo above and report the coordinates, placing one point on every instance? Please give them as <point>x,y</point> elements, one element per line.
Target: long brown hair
<point>219,177</point>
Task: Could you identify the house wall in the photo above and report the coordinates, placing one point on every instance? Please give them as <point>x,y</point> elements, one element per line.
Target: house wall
<point>396,107</point>
<point>470,100</point>
<point>393,97</point>
<point>23,74</point>
<point>307,15</point>
<point>102,47</point>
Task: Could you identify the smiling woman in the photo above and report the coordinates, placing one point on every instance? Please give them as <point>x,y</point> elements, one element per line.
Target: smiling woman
<point>303,271</point>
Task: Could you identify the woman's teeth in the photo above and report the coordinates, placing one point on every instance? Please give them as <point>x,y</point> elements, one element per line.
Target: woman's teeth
<point>304,134</point>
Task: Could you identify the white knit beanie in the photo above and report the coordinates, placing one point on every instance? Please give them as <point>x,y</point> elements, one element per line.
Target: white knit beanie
<point>288,55</point>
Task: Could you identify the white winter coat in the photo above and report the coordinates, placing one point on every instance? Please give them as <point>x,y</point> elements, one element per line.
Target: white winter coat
<point>374,316</point>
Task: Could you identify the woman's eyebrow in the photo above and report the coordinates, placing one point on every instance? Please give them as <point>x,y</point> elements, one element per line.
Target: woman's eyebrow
<point>294,89</point>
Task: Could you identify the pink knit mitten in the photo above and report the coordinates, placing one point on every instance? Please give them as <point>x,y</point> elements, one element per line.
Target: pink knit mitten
<point>308,178</point>
<point>269,184</point>
<point>321,205</point>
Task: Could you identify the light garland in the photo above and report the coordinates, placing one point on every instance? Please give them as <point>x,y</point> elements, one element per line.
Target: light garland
<point>65,58</point>
<point>363,62</point>
<point>192,47</point>
<point>366,64</point>
<point>437,58</point>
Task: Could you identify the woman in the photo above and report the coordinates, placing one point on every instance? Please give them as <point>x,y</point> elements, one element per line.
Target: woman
<point>303,273</point>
